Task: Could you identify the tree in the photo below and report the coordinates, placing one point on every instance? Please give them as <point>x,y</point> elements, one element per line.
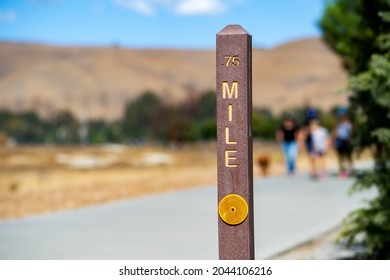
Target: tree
<point>24,127</point>
<point>143,117</point>
<point>206,116</point>
<point>65,126</point>
<point>207,106</point>
<point>359,31</point>
<point>264,124</point>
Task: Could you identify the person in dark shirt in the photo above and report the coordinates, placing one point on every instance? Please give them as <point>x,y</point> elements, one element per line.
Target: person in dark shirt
<point>342,137</point>
<point>287,135</point>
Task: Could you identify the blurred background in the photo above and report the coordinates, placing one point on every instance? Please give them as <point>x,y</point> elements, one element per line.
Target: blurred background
<point>109,99</point>
<point>105,100</point>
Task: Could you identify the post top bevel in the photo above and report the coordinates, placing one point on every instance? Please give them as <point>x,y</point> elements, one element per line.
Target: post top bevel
<point>233,29</point>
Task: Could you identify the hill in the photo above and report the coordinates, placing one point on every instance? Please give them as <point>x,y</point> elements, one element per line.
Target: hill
<point>97,82</point>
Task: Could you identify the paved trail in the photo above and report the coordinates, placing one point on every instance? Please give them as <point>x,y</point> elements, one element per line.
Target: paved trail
<point>181,225</point>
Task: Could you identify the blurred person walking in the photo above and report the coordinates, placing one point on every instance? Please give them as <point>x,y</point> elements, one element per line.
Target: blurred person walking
<point>342,139</point>
<point>306,138</point>
<point>287,135</point>
<point>320,144</point>
<point>311,114</point>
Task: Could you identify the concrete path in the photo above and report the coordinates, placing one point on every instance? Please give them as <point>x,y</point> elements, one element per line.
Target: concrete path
<point>181,225</point>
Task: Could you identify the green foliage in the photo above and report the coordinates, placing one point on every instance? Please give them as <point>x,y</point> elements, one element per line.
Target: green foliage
<point>359,31</point>
<point>351,28</point>
<point>208,129</point>
<point>264,124</point>
<point>329,120</point>
<point>65,126</point>
<point>102,132</point>
<point>143,117</point>
<point>148,118</point>
<point>180,130</point>
<point>207,107</point>
<point>24,127</point>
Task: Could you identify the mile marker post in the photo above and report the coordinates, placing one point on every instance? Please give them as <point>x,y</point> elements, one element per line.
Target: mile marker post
<point>234,144</point>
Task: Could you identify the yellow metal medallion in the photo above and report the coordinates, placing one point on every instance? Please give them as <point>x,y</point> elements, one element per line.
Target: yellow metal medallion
<point>233,209</point>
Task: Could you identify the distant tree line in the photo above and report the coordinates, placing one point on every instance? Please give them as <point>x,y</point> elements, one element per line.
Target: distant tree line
<point>145,119</point>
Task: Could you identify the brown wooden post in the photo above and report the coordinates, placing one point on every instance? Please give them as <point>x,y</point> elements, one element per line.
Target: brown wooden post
<point>234,144</point>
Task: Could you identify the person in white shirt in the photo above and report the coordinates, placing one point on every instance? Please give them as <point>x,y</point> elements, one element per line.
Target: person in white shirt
<point>320,141</point>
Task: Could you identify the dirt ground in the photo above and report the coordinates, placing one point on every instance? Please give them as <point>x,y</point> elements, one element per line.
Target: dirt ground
<point>40,179</point>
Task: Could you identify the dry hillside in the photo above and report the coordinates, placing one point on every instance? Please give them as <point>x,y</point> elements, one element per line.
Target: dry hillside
<point>97,82</point>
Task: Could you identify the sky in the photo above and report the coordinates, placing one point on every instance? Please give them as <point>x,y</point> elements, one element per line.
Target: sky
<point>189,24</point>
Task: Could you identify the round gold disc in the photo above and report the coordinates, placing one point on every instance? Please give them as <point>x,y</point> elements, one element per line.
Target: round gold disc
<point>233,209</point>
